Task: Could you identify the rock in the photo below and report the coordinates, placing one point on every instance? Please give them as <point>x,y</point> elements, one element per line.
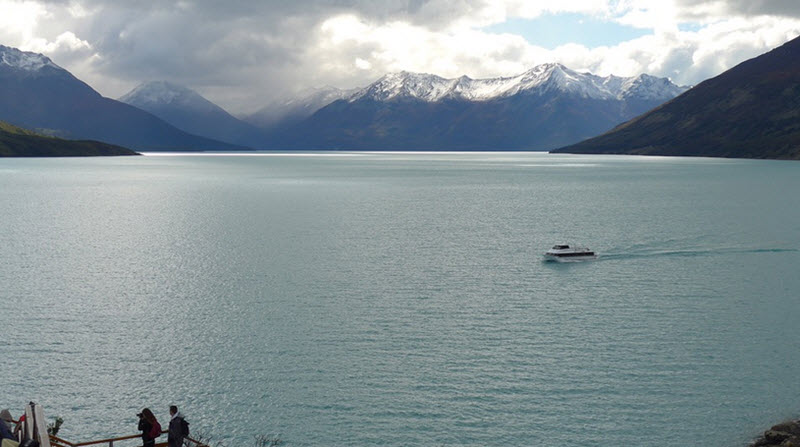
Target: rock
<point>785,434</point>
<point>791,427</point>
<point>761,442</point>
<point>776,437</point>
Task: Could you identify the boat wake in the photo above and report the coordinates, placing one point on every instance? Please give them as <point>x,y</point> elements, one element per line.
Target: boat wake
<point>690,252</point>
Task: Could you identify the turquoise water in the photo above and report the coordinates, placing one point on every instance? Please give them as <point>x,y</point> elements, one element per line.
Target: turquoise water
<point>401,299</point>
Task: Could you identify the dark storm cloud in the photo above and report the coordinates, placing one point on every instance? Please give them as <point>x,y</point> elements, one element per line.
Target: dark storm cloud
<point>788,8</point>
<point>211,43</point>
<point>748,8</point>
<point>423,12</point>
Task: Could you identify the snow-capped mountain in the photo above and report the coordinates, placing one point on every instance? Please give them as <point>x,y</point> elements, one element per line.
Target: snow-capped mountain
<point>542,108</point>
<point>312,100</point>
<point>159,93</point>
<point>189,111</point>
<point>545,107</point>
<point>35,93</point>
<point>286,111</point>
<point>14,59</point>
<point>539,80</point>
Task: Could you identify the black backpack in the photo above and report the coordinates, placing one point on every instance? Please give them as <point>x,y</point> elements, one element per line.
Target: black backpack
<point>184,428</point>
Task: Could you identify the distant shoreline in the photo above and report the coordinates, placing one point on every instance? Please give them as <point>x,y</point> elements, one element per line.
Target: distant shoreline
<point>358,152</point>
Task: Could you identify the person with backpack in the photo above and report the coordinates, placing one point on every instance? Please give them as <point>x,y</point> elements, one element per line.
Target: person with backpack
<point>178,428</point>
<point>149,426</point>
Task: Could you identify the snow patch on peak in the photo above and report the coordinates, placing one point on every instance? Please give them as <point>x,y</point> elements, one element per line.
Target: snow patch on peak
<point>160,94</point>
<point>544,70</point>
<point>157,92</point>
<point>556,77</point>
<point>311,97</point>
<point>645,86</point>
<point>405,85</point>
<point>24,60</point>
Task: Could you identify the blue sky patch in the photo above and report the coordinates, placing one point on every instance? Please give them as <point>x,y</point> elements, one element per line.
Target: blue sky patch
<point>690,27</point>
<point>550,31</point>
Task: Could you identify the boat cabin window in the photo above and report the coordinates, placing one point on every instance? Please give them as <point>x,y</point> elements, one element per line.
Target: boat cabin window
<point>560,247</point>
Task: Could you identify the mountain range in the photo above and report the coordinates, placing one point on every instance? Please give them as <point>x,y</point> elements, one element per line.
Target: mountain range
<point>546,107</point>
<point>749,111</point>
<point>542,108</point>
<point>37,94</point>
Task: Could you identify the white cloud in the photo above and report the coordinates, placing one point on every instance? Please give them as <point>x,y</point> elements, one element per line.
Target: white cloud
<point>77,10</point>
<point>362,64</point>
<point>26,25</point>
<point>532,9</point>
<point>660,16</point>
<point>687,57</point>
<point>66,41</point>
<point>19,20</point>
<point>482,13</point>
<point>398,46</point>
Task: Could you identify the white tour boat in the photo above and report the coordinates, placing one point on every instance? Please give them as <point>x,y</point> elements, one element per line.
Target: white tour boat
<point>564,253</point>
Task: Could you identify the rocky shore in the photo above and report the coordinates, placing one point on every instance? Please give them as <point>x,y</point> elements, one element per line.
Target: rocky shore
<point>785,434</point>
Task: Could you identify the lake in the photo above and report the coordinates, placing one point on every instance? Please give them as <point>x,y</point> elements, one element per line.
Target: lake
<point>401,299</point>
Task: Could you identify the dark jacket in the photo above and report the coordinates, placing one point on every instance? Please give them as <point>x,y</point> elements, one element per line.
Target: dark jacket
<point>175,436</point>
<point>145,426</point>
<point>5,431</point>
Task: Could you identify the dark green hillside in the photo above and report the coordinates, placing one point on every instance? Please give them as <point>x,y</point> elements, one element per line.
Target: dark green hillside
<point>18,142</point>
<point>749,111</point>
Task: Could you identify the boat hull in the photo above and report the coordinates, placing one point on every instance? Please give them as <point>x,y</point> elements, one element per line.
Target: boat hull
<point>573,258</point>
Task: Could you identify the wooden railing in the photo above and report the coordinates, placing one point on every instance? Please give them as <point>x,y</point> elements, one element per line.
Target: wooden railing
<point>35,427</point>
<point>55,441</point>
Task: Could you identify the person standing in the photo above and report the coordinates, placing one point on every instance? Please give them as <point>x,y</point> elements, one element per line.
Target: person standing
<point>150,427</point>
<point>5,428</point>
<point>178,428</point>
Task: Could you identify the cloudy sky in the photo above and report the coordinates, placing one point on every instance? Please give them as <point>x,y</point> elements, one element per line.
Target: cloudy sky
<point>242,54</point>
